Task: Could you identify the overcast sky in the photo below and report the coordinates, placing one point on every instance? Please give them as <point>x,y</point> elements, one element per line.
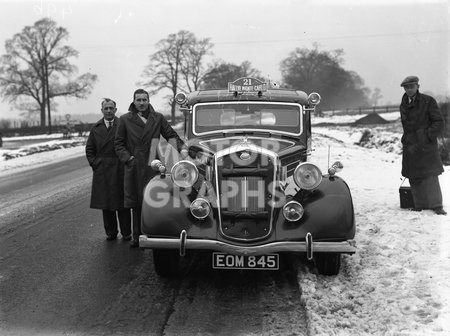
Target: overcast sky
<point>383,41</point>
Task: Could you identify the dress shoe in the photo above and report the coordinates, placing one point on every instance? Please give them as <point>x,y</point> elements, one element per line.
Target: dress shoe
<point>439,211</point>
<point>134,243</point>
<point>416,209</point>
<point>111,237</point>
<point>126,238</point>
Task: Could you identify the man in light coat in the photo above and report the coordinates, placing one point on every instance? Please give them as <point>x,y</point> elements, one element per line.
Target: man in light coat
<point>136,143</point>
<point>107,181</point>
<point>422,124</point>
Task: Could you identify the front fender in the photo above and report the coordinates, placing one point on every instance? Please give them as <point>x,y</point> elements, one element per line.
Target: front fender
<point>165,211</point>
<point>329,213</point>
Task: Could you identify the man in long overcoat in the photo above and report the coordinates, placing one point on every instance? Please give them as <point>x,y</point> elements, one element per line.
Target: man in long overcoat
<point>136,143</point>
<point>422,124</point>
<point>108,174</point>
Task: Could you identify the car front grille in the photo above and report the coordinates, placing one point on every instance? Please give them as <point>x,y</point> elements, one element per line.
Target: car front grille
<point>245,192</point>
<point>247,196</point>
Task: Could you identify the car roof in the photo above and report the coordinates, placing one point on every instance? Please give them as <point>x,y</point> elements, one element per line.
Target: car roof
<point>272,95</point>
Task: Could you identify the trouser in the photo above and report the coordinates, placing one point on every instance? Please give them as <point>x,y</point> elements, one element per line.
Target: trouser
<point>426,192</point>
<point>112,218</point>
<point>136,222</point>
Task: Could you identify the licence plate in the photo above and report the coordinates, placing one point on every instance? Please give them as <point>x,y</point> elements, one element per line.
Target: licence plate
<point>259,262</point>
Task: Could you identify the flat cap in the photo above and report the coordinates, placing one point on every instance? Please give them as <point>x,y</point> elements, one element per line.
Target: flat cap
<point>410,80</point>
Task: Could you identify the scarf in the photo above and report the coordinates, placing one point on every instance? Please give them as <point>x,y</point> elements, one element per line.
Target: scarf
<point>144,114</point>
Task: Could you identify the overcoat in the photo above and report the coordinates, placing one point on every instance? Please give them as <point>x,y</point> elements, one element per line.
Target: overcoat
<point>108,171</point>
<point>139,139</point>
<point>422,124</point>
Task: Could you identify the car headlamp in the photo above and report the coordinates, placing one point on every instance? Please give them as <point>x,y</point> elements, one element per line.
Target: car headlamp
<point>181,98</point>
<point>307,176</point>
<point>200,208</point>
<point>184,174</point>
<point>293,211</point>
<point>314,98</point>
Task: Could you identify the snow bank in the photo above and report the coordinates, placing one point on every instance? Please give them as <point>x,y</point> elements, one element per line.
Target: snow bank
<point>398,282</point>
<point>37,155</point>
<point>41,147</point>
<point>340,118</point>
<point>34,137</point>
<point>375,137</point>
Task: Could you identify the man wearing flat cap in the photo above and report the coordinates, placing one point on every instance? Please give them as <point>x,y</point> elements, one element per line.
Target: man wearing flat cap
<point>421,163</point>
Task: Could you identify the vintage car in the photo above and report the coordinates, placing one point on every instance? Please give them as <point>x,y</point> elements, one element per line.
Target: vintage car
<point>247,191</point>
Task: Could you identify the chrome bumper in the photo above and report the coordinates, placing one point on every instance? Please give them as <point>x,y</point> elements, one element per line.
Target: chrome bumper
<point>308,246</point>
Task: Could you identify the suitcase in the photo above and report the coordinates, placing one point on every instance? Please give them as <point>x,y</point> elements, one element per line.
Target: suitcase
<point>406,198</point>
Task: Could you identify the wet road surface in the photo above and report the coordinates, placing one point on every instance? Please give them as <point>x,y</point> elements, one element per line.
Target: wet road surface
<point>59,276</point>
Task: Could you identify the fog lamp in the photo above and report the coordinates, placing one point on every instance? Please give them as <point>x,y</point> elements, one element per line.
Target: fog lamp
<point>293,211</point>
<point>307,176</point>
<point>184,174</point>
<point>200,208</point>
<point>158,166</point>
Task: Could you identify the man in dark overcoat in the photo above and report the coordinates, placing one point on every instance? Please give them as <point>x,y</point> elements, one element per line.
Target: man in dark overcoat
<point>422,124</point>
<point>108,173</point>
<point>136,143</point>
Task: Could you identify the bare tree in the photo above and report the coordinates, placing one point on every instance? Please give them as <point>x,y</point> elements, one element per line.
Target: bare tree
<point>32,68</point>
<point>315,70</point>
<point>221,73</point>
<point>176,65</point>
<point>376,96</point>
<point>192,62</point>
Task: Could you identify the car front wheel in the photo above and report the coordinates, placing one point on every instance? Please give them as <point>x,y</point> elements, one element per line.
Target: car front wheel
<point>166,262</point>
<point>327,263</point>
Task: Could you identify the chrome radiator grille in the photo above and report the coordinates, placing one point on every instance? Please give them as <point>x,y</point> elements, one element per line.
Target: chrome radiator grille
<point>245,188</point>
<point>247,194</point>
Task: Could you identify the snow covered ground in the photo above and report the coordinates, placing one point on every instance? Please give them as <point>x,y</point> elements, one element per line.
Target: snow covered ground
<point>39,152</point>
<point>398,283</point>
<point>339,118</point>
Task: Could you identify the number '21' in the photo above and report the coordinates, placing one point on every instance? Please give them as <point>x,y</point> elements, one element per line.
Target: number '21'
<point>247,81</point>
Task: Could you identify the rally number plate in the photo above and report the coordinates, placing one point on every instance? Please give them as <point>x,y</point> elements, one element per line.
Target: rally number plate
<point>259,262</point>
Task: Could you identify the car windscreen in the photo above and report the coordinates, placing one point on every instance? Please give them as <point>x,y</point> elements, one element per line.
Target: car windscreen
<point>252,116</point>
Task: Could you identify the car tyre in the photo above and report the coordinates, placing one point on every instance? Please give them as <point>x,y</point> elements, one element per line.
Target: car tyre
<point>327,263</point>
<point>166,262</point>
